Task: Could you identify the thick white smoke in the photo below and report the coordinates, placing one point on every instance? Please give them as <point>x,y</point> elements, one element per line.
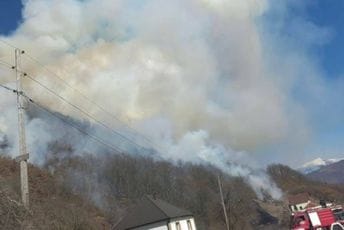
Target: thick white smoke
<point>190,74</point>
<point>196,147</point>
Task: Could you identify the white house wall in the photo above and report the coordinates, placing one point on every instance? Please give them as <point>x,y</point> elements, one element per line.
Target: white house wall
<point>300,207</point>
<point>183,223</point>
<point>156,226</point>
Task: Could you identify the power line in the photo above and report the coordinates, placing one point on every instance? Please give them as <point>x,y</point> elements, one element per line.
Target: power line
<point>81,110</point>
<point>8,44</point>
<point>3,86</point>
<point>148,140</point>
<point>24,155</point>
<point>94,137</point>
<point>90,100</point>
<point>8,88</point>
<point>73,88</point>
<point>6,64</point>
<point>9,66</point>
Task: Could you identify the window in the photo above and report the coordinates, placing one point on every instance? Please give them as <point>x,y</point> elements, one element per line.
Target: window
<point>336,227</point>
<point>339,214</point>
<point>189,225</point>
<point>178,226</point>
<point>299,220</point>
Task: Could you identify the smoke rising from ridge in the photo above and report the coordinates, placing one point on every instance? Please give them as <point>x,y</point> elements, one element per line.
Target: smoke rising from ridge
<point>190,74</point>
<point>163,64</point>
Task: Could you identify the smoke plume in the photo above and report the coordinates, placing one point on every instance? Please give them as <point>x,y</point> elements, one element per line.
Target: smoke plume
<point>192,75</point>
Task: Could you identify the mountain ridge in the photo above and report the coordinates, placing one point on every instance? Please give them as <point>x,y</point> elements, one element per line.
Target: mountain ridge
<point>332,173</point>
<point>316,164</point>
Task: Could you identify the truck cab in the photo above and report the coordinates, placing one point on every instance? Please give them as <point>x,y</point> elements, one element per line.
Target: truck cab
<point>300,221</point>
<point>339,214</point>
<point>337,226</point>
<point>313,219</point>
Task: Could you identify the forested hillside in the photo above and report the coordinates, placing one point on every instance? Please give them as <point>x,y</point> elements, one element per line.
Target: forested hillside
<point>293,182</point>
<point>94,192</point>
<point>62,192</point>
<point>117,182</point>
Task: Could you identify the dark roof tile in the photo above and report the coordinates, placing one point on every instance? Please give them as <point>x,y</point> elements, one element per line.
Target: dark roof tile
<point>148,211</point>
<point>298,198</point>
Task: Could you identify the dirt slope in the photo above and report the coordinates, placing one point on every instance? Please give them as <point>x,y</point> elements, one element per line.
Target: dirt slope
<point>51,206</point>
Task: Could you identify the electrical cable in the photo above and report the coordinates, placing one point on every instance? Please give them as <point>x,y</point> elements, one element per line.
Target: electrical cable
<point>8,44</point>
<point>8,88</point>
<point>148,140</point>
<point>90,100</point>
<point>152,143</point>
<point>6,64</point>
<point>94,137</point>
<point>82,110</point>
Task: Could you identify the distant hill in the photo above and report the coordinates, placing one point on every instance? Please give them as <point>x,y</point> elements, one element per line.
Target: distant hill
<point>316,164</point>
<point>293,182</point>
<point>332,173</point>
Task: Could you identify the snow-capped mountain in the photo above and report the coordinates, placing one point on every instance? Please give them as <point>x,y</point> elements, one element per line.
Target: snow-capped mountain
<point>316,164</point>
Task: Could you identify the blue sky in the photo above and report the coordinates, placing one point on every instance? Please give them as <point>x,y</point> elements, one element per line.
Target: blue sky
<point>325,50</point>
<point>331,55</point>
<point>327,117</point>
<point>330,14</point>
<point>10,15</point>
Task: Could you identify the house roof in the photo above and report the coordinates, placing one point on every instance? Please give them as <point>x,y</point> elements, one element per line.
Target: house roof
<point>149,211</point>
<point>299,198</point>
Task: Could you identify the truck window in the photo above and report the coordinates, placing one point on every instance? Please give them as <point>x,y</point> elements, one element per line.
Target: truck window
<point>336,227</point>
<point>298,220</point>
<point>339,215</point>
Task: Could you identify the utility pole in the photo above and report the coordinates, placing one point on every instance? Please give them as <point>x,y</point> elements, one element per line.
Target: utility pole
<point>23,154</point>
<point>223,201</point>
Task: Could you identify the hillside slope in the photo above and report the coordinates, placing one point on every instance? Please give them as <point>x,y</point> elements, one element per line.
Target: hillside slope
<point>293,182</point>
<point>332,173</point>
<point>316,164</point>
<point>114,183</point>
<point>51,205</point>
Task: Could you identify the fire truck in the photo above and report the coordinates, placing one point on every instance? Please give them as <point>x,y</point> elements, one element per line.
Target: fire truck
<point>338,212</point>
<point>318,218</point>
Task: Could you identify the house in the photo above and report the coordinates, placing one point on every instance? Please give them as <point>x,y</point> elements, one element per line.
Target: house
<point>299,202</point>
<point>155,214</point>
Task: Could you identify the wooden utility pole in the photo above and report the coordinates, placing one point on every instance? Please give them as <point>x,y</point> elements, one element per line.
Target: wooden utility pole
<point>223,201</point>
<point>23,154</point>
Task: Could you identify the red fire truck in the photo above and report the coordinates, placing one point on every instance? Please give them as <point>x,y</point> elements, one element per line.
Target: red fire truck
<point>317,219</point>
<point>338,212</point>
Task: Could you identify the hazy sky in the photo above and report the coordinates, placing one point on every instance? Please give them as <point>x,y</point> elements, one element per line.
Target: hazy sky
<point>288,54</point>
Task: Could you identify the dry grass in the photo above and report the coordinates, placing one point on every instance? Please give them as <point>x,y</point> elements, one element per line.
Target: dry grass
<point>51,205</point>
